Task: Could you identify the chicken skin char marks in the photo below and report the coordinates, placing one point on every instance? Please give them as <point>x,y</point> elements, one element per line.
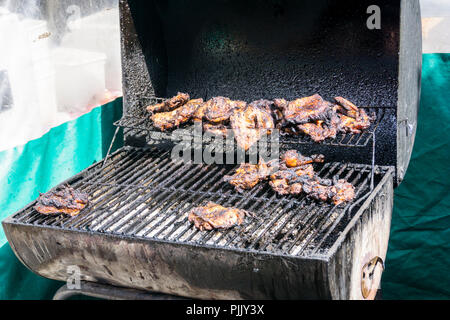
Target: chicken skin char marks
<point>215,217</point>
<point>297,175</point>
<point>179,100</point>
<point>248,175</point>
<point>306,109</point>
<point>353,119</point>
<point>320,119</point>
<point>250,124</point>
<point>64,201</point>
<point>218,110</point>
<point>338,191</point>
<point>289,181</point>
<point>216,129</point>
<point>171,120</point>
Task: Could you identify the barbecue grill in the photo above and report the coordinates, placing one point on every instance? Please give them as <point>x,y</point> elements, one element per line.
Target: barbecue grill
<point>135,233</point>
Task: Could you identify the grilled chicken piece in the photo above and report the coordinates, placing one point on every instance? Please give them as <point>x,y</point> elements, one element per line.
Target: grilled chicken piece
<point>213,216</point>
<point>318,132</point>
<point>216,129</point>
<point>293,159</point>
<point>338,191</point>
<point>349,109</point>
<point>169,120</point>
<point>64,201</point>
<point>179,100</point>
<point>319,189</point>
<point>353,119</point>
<point>290,181</point>
<point>343,192</point>
<point>219,109</point>
<point>307,109</point>
<point>248,175</point>
<point>250,124</point>
<point>165,120</point>
<point>356,126</point>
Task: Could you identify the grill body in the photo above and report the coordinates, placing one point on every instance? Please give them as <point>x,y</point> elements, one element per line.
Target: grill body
<point>136,234</point>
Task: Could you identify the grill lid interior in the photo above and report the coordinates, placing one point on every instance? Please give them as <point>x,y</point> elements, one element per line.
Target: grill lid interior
<point>254,49</point>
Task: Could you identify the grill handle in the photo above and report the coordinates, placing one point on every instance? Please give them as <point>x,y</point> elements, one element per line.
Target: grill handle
<point>369,274</point>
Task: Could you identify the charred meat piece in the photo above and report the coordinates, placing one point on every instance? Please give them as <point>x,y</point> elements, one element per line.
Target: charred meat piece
<point>248,175</point>
<point>338,191</point>
<point>356,125</point>
<point>250,124</point>
<point>179,100</point>
<point>270,108</point>
<point>346,107</point>
<point>219,109</point>
<point>294,159</point>
<point>307,109</point>
<point>64,201</point>
<point>318,132</point>
<point>213,216</point>
<point>319,189</point>
<point>170,120</point>
<point>353,119</point>
<point>290,181</point>
<point>216,129</point>
<point>164,121</point>
<point>343,192</point>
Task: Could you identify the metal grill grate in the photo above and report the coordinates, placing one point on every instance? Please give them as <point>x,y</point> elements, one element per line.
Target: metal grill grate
<point>142,193</point>
<point>143,123</point>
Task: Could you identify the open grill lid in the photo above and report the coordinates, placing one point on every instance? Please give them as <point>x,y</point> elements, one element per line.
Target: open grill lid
<point>270,49</point>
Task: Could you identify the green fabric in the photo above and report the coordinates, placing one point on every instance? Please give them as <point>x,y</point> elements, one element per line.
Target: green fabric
<point>417,266</point>
<point>37,167</point>
<point>418,257</point>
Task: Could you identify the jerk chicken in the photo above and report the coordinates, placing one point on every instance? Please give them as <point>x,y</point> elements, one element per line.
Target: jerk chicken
<point>338,191</point>
<point>171,104</point>
<point>248,175</point>
<point>64,201</point>
<point>213,216</point>
<point>297,175</point>
<point>250,124</point>
<point>173,119</point>
<point>312,116</point>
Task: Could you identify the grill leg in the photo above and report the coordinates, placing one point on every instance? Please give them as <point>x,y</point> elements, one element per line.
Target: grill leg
<point>96,290</point>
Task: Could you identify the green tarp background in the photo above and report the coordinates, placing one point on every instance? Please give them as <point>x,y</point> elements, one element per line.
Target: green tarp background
<point>418,257</point>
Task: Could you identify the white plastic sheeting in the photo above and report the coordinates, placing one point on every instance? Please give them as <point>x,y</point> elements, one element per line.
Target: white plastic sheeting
<point>59,59</point>
<point>436,26</point>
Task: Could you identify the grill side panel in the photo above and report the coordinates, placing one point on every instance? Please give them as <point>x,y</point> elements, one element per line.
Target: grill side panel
<point>363,239</point>
<point>190,271</point>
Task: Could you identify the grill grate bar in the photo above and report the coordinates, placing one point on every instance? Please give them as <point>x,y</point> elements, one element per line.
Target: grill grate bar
<point>36,218</point>
<point>143,123</point>
<point>288,206</point>
<point>154,177</point>
<point>142,193</point>
<point>133,221</point>
<point>216,178</point>
<point>327,231</point>
<point>317,219</point>
<point>110,193</point>
<point>310,211</point>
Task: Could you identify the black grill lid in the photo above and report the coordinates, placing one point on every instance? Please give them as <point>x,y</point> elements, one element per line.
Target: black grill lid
<point>280,48</point>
